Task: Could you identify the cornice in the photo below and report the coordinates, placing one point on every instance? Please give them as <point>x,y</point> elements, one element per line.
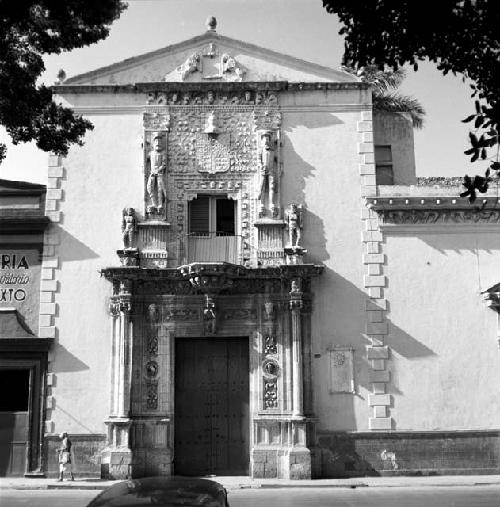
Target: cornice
<point>299,109</point>
<point>225,86</point>
<point>436,213</point>
<point>23,224</point>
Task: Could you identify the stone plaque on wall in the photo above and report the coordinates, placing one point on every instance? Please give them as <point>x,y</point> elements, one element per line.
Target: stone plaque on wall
<point>341,366</point>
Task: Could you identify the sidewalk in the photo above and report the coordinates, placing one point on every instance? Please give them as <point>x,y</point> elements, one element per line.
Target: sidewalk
<point>232,483</point>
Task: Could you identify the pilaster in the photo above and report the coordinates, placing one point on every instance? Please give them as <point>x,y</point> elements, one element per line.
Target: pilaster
<point>376,326</point>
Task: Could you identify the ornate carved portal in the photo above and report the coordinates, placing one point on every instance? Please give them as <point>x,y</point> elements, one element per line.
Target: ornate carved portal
<point>152,308</point>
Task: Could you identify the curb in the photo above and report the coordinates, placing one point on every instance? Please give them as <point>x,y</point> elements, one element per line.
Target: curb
<point>230,487</point>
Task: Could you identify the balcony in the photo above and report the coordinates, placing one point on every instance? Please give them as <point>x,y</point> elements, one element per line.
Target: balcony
<point>212,247</point>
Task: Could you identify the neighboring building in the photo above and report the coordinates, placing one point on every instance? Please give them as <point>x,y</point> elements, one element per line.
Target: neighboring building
<point>23,348</point>
<point>265,308</point>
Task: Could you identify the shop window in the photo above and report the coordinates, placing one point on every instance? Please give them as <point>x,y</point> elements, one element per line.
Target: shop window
<point>212,216</point>
<point>384,174</point>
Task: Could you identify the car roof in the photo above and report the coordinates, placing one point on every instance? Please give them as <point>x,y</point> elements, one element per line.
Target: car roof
<point>165,491</point>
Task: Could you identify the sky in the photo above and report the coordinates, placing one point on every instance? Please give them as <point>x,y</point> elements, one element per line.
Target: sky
<point>300,28</point>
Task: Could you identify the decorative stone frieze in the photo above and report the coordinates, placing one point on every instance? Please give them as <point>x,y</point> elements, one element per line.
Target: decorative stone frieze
<point>413,216</point>
<point>229,98</point>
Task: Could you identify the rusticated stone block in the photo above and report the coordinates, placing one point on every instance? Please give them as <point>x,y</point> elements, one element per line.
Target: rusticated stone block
<point>258,471</point>
<point>377,352</point>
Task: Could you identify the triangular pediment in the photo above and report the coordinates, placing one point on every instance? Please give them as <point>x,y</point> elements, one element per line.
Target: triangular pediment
<point>210,58</point>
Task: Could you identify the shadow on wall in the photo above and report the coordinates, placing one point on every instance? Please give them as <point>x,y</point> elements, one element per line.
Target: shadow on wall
<point>71,249</point>
<point>294,188</point>
<point>66,361</point>
<point>339,457</point>
<point>318,120</point>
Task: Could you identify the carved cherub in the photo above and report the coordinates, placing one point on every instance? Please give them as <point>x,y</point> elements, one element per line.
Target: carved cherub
<point>128,227</point>
<point>294,223</point>
<point>156,183</point>
<point>189,66</point>
<point>229,64</point>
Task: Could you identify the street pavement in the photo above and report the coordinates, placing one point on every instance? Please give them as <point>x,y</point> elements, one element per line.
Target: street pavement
<point>382,496</point>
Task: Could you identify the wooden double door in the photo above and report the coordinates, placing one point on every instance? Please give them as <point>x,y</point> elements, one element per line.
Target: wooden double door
<point>211,406</point>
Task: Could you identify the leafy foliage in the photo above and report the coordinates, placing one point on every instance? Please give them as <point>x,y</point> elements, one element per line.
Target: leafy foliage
<point>30,29</point>
<point>385,95</point>
<point>460,36</point>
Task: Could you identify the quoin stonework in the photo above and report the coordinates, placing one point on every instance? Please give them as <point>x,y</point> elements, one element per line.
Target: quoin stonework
<point>239,273</point>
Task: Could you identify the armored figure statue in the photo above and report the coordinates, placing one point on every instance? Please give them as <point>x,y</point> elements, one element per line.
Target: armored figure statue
<point>294,222</point>
<point>268,173</point>
<point>156,180</point>
<point>128,227</point>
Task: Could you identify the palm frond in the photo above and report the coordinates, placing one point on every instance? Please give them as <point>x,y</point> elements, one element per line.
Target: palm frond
<point>381,80</point>
<point>397,103</point>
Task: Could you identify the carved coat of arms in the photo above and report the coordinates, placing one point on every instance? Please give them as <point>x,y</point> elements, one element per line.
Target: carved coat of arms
<point>213,155</point>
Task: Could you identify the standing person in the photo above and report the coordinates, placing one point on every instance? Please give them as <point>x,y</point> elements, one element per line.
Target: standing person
<point>64,455</point>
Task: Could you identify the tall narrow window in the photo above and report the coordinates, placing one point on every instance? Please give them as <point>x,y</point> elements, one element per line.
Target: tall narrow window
<point>212,215</point>
<point>384,174</point>
<point>199,216</point>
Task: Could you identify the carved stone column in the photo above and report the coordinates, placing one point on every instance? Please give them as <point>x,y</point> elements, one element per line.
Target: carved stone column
<point>296,304</point>
<point>296,462</point>
<point>117,457</point>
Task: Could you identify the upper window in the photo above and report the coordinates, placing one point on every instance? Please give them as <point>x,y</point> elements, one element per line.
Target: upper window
<point>212,215</point>
<point>384,174</point>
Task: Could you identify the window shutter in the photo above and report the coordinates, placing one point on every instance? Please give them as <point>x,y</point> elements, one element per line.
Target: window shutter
<point>199,216</point>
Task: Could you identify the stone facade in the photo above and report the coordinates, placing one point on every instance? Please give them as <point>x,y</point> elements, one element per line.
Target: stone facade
<point>230,192</point>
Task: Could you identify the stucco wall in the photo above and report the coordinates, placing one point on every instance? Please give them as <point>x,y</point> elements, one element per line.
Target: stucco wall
<point>321,170</point>
<point>100,180</point>
<point>444,351</point>
<point>396,130</point>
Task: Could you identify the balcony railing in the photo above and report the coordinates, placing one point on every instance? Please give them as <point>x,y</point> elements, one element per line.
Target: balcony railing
<point>213,247</point>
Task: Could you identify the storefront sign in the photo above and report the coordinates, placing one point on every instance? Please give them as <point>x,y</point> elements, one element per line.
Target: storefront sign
<point>19,276</point>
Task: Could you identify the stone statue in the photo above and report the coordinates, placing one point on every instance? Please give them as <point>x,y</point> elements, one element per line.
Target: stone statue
<point>211,127</point>
<point>229,65</point>
<point>209,316</point>
<point>268,173</point>
<point>294,223</point>
<point>156,180</point>
<point>129,227</point>
<point>189,66</point>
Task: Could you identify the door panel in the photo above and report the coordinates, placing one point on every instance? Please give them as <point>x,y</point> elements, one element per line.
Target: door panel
<point>14,421</point>
<point>211,407</point>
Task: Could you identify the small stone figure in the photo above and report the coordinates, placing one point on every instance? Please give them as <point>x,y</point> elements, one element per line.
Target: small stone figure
<point>189,66</point>
<point>294,222</point>
<point>229,65</point>
<point>267,173</point>
<point>211,127</point>
<point>156,184</point>
<point>153,312</point>
<point>209,316</point>
<point>128,227</point>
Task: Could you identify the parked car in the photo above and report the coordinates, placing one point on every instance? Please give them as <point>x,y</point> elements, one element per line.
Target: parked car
<point>164,492</point>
